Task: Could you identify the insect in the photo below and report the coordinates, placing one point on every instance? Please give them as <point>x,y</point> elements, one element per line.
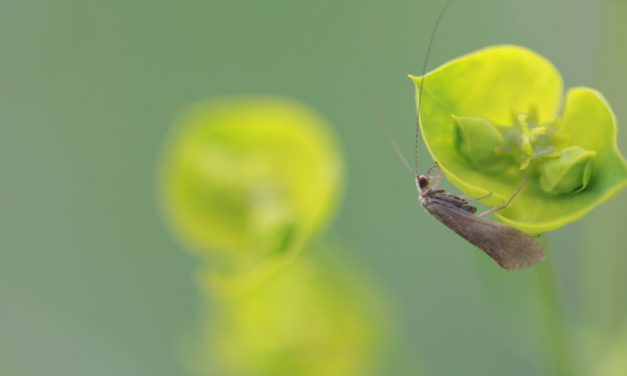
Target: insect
<point>510,248</point>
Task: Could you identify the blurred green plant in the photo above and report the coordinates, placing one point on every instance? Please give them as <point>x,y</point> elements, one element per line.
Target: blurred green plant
<point>613,358</point>
<point>247,182</point>
<point>315,317</point>
<point>493,115</point>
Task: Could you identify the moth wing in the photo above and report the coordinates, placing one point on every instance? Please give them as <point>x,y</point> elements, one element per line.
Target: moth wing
<point>510,248</point>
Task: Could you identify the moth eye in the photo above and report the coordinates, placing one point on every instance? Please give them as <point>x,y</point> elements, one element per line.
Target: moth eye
<point>423,181</point>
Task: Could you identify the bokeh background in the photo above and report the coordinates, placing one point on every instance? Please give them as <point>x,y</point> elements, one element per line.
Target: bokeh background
<point>93,282</point>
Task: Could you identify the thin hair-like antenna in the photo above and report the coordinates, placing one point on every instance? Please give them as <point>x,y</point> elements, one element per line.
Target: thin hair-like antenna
<point>389,136</point>
<point>422,82</point>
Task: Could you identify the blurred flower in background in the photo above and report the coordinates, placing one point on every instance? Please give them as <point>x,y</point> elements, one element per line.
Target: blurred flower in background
<point>248,183</point>
<point>317,316</point>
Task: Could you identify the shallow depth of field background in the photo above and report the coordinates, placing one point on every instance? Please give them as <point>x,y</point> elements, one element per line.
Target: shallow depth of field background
<point>92,282</point>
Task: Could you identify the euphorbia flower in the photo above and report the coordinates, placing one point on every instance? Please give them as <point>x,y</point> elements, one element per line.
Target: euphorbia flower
<point>248,182</point>
<point>490,117</point>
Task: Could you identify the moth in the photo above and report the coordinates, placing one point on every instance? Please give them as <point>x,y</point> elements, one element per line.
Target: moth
<point>509,248</point>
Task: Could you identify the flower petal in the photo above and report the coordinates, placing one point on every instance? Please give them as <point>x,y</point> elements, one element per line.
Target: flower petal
<point>494,83</point>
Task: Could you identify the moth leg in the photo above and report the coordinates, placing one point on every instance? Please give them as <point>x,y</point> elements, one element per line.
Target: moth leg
<point>435,174</point>
<point>471,199</point>
<point>435,181</point>
<point>434,170</point>
<point>506,203</point>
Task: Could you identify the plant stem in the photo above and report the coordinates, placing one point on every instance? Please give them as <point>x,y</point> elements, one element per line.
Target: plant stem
<point>553,324</point>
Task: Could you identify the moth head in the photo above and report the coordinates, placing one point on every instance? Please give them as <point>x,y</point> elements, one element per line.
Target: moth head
<point>423,182</point>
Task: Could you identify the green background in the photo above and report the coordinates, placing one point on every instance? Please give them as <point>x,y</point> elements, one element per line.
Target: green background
<point>93,283</point>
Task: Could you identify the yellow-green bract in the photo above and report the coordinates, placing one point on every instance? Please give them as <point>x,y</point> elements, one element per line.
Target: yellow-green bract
<point>247,181</point>
<point>315,317</point>
<point>493,115</point>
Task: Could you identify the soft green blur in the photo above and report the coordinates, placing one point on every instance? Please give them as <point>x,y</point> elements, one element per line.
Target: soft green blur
<point>93,283</point>
<point>247,183</point>
<point>316,316</point>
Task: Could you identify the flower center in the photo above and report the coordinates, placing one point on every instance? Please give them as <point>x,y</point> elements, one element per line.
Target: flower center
<point>530,141</point>
<point>527,144</point>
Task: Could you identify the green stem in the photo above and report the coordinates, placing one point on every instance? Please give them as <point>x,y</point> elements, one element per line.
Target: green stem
<point>554,326</point>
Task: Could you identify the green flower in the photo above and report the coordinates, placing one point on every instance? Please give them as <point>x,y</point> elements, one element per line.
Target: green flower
<point>247,182</point>
<point>490,117</point>
<point>319,316</point>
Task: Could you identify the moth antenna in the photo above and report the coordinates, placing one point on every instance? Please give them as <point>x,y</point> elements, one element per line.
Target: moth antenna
<point>424,70</point>
<point>391,139</point>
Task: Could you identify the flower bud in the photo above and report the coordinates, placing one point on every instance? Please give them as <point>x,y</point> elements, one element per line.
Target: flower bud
<point>568,173</point>
<point>477,139</point>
